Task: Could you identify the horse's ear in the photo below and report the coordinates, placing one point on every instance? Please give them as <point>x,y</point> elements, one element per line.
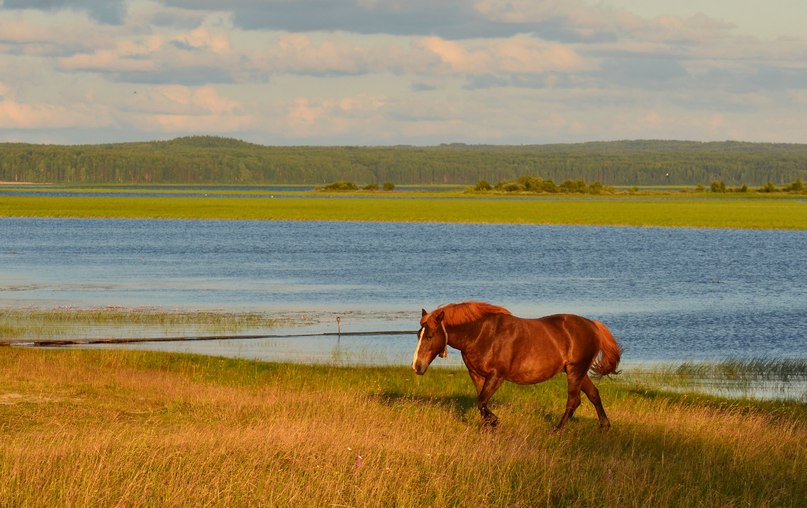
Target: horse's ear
<point>424,313</point>
<point>439,317</point>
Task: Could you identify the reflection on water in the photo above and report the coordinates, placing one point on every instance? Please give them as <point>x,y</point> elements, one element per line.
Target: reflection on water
<point>667,294</point>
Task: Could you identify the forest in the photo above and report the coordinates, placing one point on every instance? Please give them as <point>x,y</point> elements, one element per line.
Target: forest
<point>218,160</point>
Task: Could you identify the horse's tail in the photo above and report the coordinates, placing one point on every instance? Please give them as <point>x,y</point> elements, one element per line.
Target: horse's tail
<point>610,353</point>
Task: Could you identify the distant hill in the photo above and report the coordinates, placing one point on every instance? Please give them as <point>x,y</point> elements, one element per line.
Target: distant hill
<point>212,159</point>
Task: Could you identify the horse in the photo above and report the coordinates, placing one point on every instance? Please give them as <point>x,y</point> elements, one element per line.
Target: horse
<point>497,346</point>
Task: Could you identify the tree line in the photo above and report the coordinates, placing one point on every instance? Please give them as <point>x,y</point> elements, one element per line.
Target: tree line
<point>217,160</point>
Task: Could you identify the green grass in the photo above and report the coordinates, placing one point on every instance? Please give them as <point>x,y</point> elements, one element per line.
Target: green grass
<point>613,211</point>
<point>114,428</point>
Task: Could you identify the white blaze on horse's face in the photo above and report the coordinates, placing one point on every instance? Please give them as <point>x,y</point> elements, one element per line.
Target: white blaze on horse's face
<point>428,348</point>
<point>417,348</point>
<point>430,344</point>
<point>423,355</point>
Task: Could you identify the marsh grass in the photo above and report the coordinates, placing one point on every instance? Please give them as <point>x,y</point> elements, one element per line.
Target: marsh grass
<point>751,378</point>
<point>617,211</point>
<point>68,322</point>
<point>115,428</point>
<point>737,369</point>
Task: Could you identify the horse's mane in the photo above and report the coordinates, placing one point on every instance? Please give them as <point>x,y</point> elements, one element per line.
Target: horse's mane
<point>465,312</point>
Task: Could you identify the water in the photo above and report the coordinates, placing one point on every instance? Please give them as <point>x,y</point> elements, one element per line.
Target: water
<point>667,294</point>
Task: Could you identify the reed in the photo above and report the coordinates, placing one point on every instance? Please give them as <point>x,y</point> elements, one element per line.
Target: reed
<point>70,322</point>
<point>134,428</point>
<point>752,378</point>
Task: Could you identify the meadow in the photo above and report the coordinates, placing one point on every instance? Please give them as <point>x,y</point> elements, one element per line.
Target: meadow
<point>658,211</point>
<point>114,428</point>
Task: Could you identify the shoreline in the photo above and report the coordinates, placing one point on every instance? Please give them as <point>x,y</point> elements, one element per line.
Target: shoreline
<point>731,378</point>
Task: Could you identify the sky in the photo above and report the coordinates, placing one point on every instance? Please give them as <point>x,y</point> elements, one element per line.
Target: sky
<point>415,72</point>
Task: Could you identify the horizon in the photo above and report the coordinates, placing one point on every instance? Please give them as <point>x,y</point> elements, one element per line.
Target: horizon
<point>405,145</point>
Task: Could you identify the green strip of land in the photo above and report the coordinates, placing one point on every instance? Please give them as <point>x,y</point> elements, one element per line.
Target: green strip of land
<point>608,211</point>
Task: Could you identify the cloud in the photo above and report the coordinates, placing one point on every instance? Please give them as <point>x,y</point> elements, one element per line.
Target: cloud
<point>403,71</point>
<point>640,72</point>
<point>519,61</point>
<point>196,57</point>
<point>307,117</point>
<point>329,55</point>
<point>111,12</point>
<point>447,18</point>
<point>16,114</point>
<point>178,109</point>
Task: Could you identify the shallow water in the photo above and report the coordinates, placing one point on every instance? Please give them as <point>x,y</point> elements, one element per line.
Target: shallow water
<point>667,294</point>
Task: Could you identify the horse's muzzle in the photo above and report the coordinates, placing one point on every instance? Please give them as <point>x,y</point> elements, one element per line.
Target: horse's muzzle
<point>419,368</point>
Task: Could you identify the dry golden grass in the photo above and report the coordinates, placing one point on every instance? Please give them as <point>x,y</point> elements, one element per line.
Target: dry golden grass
<point>114,428</point>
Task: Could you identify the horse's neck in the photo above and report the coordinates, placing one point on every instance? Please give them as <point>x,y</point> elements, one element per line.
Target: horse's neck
<point>459,336</point>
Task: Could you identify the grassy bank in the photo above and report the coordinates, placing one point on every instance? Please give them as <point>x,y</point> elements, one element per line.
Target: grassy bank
<point>107,428</point>
<point>622,211</point>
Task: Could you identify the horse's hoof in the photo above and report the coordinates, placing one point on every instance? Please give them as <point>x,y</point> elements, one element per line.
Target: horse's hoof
<point>490,423</point>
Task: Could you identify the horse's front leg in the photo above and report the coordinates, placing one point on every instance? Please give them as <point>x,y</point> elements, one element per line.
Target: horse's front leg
<point>489,386</point>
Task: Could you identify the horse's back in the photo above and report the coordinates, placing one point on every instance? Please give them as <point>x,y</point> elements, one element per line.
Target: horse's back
<point>567,326</point>
<point>530,350</point>
<point>587,338</point>
<point>577,338</point>
<point>536,349</point>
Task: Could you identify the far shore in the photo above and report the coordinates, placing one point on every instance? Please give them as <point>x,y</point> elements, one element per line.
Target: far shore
<point>700,211</point>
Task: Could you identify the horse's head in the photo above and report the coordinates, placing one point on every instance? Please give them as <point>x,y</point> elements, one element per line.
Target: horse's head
<point>432,341</point>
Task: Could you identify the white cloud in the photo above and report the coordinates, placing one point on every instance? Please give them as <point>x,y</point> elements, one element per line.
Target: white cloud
<point>308,117</point>
<point>17,114</point>
<point>177,108</point>
<point>515,55</point>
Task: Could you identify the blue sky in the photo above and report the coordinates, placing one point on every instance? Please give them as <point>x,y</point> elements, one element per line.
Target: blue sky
<point>385,72</point>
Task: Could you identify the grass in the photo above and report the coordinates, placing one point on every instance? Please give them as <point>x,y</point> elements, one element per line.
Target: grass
<point>115,428</point>
<point>609,211</point>
<point>68,322</point>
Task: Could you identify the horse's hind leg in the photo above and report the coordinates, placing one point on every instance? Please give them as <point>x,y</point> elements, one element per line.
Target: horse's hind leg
<point>594,396</point>
<point>575,381</point>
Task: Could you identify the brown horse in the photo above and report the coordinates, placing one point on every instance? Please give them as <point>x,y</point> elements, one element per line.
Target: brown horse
<point>497,346</point>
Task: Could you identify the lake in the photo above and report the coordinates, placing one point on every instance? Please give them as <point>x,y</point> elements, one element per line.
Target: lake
<point>667,294</point>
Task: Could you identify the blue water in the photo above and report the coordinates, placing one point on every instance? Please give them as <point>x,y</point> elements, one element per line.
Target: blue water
<point>667,294</point>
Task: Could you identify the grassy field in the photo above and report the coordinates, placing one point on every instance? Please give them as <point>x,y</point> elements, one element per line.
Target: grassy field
<point>114,428</point>
<point>758,213</point>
